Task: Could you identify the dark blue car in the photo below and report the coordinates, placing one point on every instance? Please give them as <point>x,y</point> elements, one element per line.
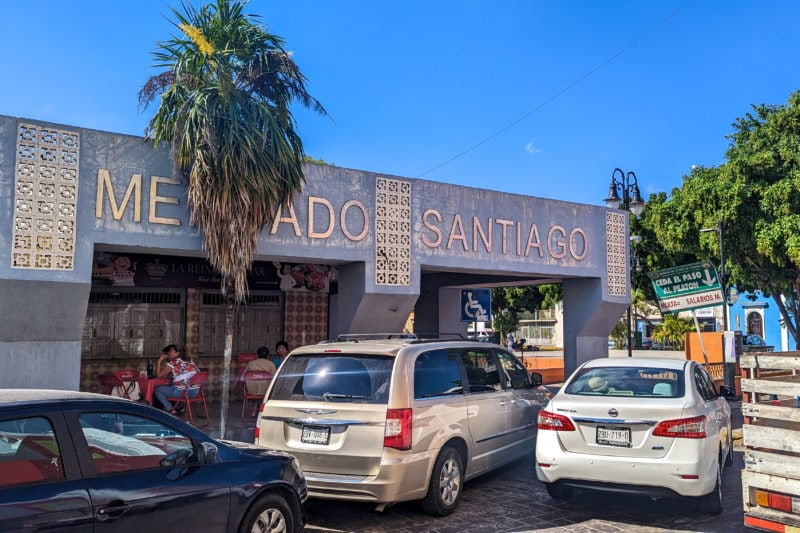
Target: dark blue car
<point>72,461</point>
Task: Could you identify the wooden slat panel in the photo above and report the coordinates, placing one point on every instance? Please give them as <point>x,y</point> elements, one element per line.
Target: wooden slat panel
<point>785,361</point>
<point>772,463</point>
<point>771,438</point>
<point>761,410</point>
<point>765,386</point>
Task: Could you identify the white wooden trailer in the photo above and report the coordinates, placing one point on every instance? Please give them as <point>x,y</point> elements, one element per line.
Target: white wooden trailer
<point>771,478</point>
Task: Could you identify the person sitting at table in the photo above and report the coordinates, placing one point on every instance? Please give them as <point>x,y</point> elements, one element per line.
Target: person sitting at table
<point>262,364</point>
<point>281,351</point>
<point>171,365</point>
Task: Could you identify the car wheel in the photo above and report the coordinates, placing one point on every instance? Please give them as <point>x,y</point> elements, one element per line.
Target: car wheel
<point>711,503</point>
<point>729,457</point>
<point>269,513</point>
<point>558,492</point>
<point>444,489</point>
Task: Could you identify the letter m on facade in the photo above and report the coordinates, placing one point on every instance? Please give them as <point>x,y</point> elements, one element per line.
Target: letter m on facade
<point>104,186</point>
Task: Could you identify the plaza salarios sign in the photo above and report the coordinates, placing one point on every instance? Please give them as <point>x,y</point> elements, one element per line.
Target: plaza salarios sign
<point>687,287</point>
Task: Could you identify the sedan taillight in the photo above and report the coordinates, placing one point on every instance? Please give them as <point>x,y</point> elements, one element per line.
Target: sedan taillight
<point>554,422</point>
<point>398,429</point>
<point>682,428</point>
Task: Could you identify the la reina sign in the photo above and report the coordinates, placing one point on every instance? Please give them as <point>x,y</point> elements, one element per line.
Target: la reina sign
<point>687,287</point>
<point>452,232</point>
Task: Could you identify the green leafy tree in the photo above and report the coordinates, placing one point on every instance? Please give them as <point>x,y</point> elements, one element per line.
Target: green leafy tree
<point>619,333</point>
<point>550,294</point>
<point>509,302</point>
<point>650,253</point>
<point>672,332</point>
<point>755,197</point>
<point>224,91</point>
<point>504,322</point>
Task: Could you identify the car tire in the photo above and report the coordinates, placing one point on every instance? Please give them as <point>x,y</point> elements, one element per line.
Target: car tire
<point>269,513</point>
<point>558,492</point>
<point>711,503</point>
<point>446,484</point>
<point>729,456</point>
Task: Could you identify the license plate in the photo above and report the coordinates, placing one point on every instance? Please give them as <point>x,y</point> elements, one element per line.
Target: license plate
<point>316,435</point>
<point>614,436</point>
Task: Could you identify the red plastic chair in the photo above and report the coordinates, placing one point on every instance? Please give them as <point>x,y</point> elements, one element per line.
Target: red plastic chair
<point>131,380</point>
<point>201,378</point>
<point>108,382</point>
<point>241,364</point>
<point>253,375</point>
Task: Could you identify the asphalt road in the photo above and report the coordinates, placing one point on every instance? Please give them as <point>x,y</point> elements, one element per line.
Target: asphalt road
<point>511,499</point>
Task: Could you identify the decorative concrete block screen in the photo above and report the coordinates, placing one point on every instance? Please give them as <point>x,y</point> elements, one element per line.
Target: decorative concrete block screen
<point>392,232</point>
<point>615,254</point>
<point>45,198</point>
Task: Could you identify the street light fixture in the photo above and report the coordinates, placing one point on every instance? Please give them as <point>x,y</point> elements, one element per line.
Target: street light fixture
<point>630,200</point>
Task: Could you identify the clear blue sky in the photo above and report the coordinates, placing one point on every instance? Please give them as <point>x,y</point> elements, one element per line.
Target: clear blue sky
<point>556,93</point>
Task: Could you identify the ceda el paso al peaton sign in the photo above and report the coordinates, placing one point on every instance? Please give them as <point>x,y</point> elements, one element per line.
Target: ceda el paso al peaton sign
<point>687,287</point>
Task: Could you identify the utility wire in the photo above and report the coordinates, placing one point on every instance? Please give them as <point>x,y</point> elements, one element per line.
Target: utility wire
<point>562,91</point>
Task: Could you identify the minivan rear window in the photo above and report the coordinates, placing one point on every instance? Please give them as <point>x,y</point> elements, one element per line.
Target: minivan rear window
<point>358,378</point>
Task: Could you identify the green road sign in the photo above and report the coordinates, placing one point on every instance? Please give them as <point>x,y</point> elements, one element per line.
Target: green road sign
<point>687,287</point>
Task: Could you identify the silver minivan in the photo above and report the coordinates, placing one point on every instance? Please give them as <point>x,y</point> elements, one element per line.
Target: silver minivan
<point>386,420</point>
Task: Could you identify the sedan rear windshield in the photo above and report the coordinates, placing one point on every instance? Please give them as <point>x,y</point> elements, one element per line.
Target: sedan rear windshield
<point>348,377</point>
<point>628,381</point>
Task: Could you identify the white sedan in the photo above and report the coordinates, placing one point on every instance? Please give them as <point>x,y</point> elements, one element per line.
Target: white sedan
<point>656,427</point>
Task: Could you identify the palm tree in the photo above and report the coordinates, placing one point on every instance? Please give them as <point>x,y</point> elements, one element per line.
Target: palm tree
<point>225,94</point>
<point>672,331</point>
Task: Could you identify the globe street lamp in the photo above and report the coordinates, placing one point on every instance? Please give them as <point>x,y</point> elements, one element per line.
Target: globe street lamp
<point>629,200</point>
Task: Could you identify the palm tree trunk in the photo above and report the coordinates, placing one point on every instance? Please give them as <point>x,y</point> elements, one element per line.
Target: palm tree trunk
<point>230,308</point>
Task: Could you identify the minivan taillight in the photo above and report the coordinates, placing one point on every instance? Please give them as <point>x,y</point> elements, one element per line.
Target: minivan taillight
<point>554,422</point>
<point>398,429</point>
<point>682,428</point>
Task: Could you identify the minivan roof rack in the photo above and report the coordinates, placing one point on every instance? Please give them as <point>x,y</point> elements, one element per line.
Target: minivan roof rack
<point>361,337</point>
<point>358,337</point>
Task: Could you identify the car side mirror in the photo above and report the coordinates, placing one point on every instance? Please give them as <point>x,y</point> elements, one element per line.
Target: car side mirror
<point>726,391</point>
<point>207,453</point>
<point>536,379</point>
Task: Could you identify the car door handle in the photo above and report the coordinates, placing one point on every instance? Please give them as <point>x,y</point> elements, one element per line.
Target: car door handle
<point>111,511</point>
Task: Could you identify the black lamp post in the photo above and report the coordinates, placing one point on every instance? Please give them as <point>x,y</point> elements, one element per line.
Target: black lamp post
<point>630,200</point>
<point>718,229</point>
<point>728,369</point>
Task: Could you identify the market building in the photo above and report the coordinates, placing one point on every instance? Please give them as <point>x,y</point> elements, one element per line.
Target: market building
<point>99,267</point>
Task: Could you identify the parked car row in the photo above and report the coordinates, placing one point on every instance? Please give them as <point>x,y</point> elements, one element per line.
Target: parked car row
<point>372,420</point>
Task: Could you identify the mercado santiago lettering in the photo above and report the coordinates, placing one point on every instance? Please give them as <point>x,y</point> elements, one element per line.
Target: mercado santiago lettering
<point>452,233</point>
<point>515,238</point>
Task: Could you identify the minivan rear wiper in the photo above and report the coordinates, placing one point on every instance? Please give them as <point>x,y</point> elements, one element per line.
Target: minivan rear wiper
<point>334,396</point>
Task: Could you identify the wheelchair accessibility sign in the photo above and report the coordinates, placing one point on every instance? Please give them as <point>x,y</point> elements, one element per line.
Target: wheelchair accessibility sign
<point>476,304</point>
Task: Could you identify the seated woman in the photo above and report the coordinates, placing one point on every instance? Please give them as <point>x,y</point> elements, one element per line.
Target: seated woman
<point>263,364</point>
<point>170,364</point>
